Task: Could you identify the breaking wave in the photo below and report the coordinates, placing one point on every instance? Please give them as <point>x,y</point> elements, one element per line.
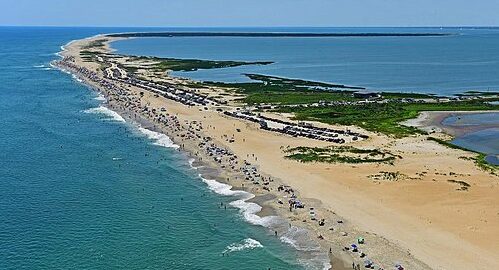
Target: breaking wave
<point>298,238</point>
<point>100,97</point>
<point>113,116</point>
<point>158,138</point>
<point>247,209</point>
<point>247,243</point>
<point>191,164</point>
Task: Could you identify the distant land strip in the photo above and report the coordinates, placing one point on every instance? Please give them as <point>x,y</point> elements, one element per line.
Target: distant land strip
<point>280,34</point>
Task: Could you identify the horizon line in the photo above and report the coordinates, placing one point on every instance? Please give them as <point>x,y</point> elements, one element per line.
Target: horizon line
<point>283,26</point>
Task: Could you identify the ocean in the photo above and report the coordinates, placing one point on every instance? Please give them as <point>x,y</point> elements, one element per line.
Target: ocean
<point>81,189</point>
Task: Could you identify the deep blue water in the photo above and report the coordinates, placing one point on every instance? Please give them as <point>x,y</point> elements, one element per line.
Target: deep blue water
<point>466,60</point>
<point>79,190</point>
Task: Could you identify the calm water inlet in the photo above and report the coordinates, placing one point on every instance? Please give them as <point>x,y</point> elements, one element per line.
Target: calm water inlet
<point>468,59</point>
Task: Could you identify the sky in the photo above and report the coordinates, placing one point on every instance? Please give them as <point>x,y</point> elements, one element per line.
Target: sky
<point>234,13</point>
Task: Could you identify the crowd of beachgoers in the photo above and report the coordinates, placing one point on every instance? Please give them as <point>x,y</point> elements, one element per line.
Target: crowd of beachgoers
<point>126,94</point>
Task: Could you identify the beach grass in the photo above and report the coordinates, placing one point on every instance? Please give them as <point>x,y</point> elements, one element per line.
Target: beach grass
<point>282,91</point>
<point>448,144</point>
<point>399,95</point>
<point>484,165</point>
<point>99,43</point>
<point>340,154</point>
<point>174,64</point>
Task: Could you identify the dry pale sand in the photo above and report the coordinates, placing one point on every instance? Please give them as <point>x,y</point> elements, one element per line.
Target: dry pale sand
<point>443,227</point>
<point>422,212</point>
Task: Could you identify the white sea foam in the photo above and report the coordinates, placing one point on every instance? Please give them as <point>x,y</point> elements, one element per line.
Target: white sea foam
<point>299,238</point>
<point>76,78</point>
<point>247,209</point>
<point>191,163</point>
<point>247,243</point>
<point>226,190</point>
<point>158,138</point>
<point>317,261</point>
<point>100,97</point>
<point>63,48</point>
<point>39,66</point>
<point>312,257</point>
<point>113,116</point>
<point>54,66</point>
<point>65,71</point>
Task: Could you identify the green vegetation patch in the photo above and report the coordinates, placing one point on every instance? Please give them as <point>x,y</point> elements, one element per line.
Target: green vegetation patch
<point>194,64</point>
<point>484,165</point>
<point>95,44</point>
<point>174,64</point>
<point>279,81</point>
<point>341,154</point>
<point>448,144</point>
<point>396,95</point>
<point>283,91</point>
<point>88,56</point>
<point>381,117</point>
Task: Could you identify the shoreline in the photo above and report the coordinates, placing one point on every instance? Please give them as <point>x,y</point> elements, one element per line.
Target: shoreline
<point>256,209</point>
<point>388,250</point>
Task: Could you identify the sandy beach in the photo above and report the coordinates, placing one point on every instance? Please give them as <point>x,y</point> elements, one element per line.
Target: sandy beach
<point>420,219</point>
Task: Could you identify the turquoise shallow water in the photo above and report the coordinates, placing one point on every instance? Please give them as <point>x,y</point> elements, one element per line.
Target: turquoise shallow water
<point>80,190</point>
